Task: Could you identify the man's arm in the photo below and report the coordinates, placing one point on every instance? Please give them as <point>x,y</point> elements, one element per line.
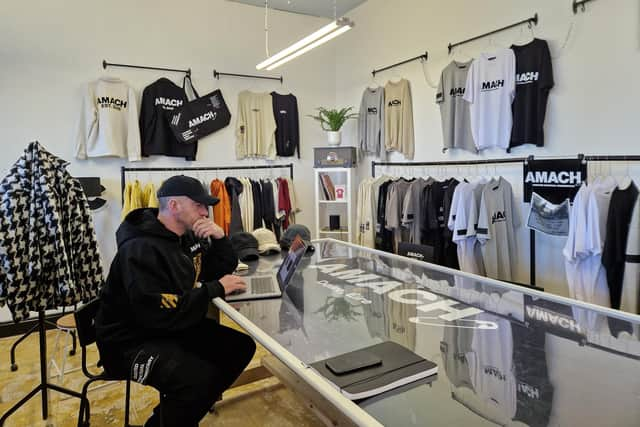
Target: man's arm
<point>158,302</point>
<point>218,260</point>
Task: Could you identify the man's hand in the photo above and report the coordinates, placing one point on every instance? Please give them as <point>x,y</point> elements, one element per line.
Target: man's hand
<point>204,228</point>
<point>232,283</point>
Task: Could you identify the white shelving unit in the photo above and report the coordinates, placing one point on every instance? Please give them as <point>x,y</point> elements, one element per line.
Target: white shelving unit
<point>343,208</point>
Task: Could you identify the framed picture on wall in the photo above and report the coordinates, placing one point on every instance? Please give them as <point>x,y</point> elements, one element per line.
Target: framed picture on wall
<point>341,192</point>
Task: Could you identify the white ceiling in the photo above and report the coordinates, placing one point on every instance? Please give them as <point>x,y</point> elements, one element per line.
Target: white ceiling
<point>322,8</point>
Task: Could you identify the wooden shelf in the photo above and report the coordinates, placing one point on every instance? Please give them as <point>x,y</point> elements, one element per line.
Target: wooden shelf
<point>342,231</point>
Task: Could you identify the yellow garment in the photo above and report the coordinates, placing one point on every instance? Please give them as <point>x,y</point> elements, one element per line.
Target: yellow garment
<point>126,208</point>
<point>149,197</point>
<point>221,211</point>
<point>136,196</point>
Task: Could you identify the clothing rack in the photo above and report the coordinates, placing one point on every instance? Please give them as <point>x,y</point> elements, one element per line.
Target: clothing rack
<point>217,74</point>
<point>579,4</point>
<point>124,170</point>
<point>424,57</point>
<point>533,20</point>
<point>106,64</point>
<point>44,385</point>
<point>532,234</point>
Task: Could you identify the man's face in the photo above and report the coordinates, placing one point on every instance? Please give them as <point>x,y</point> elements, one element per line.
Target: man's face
<point>189,211</point>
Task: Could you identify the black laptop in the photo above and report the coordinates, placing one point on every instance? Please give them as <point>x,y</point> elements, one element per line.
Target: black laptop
<point>272,285</point>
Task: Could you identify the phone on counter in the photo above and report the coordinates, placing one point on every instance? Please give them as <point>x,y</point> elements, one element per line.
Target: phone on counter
<point>350,363</point>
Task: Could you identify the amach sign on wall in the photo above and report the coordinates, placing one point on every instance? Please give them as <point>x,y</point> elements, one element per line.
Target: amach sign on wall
<point>554,180</point>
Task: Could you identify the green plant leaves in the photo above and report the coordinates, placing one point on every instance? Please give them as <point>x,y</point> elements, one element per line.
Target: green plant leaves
<point>332,119</point>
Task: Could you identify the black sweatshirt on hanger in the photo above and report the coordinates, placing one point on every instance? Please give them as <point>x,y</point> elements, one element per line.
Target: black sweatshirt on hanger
<point>285,113</point>
<point>159,100</point>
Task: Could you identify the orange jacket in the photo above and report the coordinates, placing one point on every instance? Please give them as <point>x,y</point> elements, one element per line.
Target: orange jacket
<point>221,211</point>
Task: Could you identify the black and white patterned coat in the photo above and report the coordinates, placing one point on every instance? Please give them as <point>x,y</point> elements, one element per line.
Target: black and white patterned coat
<point>48,248</point>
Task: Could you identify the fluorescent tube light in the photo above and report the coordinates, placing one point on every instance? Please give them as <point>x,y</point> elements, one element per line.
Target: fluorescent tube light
<point>321,36</point>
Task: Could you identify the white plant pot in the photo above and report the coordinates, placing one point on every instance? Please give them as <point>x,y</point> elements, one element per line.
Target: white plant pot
<point>334,138</point>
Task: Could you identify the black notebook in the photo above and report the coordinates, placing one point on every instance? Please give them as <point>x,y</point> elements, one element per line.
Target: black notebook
<point>374,370</point>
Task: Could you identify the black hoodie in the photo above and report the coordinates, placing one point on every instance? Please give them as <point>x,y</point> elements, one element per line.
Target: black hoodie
<point>150,290</point>
<point>159,101</point>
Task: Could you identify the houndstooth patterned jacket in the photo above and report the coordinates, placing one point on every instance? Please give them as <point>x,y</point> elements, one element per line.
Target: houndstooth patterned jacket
<point>48,248</point>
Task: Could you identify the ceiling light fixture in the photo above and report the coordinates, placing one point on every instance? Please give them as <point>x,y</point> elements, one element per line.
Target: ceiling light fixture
<point>324,34</point>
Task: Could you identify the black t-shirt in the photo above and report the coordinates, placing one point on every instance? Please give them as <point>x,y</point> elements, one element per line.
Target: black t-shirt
<point>534,80</point>
<point>285,112</point>
<point>615,245</point>
<point>384,237</point>
<point>437,205</point>
<point>159,99</point>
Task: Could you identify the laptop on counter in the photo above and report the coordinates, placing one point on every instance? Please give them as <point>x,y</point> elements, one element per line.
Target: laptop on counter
<point>272,285</point>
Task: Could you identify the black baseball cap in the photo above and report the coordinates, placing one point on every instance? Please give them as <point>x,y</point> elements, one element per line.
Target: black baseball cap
<point>245,246</point>
<point>290,234</point>
<point>182,185</point>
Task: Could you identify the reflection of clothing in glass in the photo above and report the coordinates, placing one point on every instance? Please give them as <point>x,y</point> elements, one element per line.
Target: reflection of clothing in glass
<point>492,372</point>
<point>534,392</point>
<point>455,348</point>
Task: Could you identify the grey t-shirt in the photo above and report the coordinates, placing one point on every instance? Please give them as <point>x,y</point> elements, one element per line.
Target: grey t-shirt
<point>393,214</point>
<point>371,121</point>
<point>498,220</point>
<point>412,209</point>
<point>456,119</point>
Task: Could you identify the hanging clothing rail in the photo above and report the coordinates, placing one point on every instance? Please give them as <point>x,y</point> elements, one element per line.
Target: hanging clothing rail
<point>533,20</point>
<point>124,170</point>
<point>579,4</point>
<point>217,74</point>
<point>106,64</point>
<point>532,233</point>
<point>375,164</point>
<point>424,56</point>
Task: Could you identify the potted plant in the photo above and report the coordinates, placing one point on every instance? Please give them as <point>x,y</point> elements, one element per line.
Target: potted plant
<point>331,120</point>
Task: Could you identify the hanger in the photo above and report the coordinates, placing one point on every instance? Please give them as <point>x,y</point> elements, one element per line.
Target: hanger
<point>373,83</point>
<point>525,38</point>
<point>459,54</point>
<point>395,76</point>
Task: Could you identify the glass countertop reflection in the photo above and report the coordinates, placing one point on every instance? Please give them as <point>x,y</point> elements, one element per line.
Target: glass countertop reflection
<point>505,355</point>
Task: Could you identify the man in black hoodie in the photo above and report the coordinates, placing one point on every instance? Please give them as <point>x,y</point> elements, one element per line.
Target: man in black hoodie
<point>152,324</point>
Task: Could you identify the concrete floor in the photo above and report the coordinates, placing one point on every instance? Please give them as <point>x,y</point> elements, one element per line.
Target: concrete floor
<point>263,403</point>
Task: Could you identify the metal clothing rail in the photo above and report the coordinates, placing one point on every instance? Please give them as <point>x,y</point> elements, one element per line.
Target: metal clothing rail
<point>217,74</point>
<point>124,170</point>
<point>533,20</point>
<point>532,235</point>
<point>424,56</point>
<point>448,163</point>
<point>579,5</point>
<point>106,64</point>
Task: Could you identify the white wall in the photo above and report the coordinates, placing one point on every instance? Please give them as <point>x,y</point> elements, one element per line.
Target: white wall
<point>592,109</point>
<point>48,51</point>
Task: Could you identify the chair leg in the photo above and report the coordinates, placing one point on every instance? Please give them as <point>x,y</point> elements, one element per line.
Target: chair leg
<point>84,414</point>
<point>74,348</point>
<point>126,403</point>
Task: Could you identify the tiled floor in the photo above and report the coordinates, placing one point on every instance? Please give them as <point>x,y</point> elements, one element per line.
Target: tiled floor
<point>264,403</point>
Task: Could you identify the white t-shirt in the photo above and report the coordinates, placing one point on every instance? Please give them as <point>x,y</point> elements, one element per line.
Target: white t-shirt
<point>463,222</point>
<point>586,276</point>
<point>490,91</point>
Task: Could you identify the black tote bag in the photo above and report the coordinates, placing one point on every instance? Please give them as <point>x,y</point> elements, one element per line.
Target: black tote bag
<point>200,117</point>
